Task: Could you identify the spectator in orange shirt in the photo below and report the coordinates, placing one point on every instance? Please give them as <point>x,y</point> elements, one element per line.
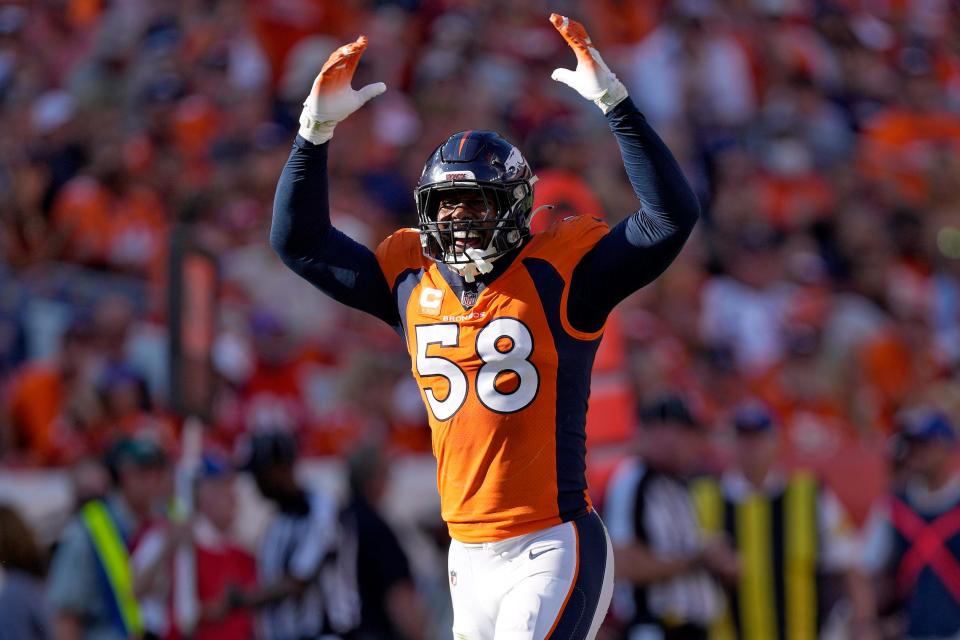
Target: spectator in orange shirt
<point>898,363</point>
<point>41,395</point>
<point>127,410</point>
<point>792,193</point>
<point>903,143</point>
<point>104,218</point>
<point>80,222</point>
<point>806,392</point>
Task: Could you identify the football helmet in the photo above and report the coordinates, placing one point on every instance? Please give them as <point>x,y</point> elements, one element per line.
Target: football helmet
<point>485,162</point>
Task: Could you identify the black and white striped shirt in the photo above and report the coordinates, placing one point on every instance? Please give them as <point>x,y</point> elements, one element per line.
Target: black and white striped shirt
<point>656,510</point>
<point>318,549</point>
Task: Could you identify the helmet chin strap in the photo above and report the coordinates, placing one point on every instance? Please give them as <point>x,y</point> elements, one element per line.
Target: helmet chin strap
<point>479,264</point>
<point>479,259</point>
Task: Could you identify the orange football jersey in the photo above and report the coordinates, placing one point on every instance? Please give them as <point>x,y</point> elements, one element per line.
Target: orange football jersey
<point>505,381</point>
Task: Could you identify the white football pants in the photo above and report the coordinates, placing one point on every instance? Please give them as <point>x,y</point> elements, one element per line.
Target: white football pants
<point>554,583</point>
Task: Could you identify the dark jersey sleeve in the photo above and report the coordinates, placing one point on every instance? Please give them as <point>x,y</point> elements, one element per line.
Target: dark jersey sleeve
<point>307,242</point>
<point>642,246</point>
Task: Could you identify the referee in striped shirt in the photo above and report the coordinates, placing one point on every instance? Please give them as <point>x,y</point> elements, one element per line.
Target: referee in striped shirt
<point>664,567</point>
<point>306,563</point>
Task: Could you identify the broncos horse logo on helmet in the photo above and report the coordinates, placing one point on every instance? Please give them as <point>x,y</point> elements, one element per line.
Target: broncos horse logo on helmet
<point>485,162</point>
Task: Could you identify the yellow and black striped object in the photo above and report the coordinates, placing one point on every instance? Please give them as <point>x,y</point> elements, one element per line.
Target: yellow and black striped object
<point>776,540</point>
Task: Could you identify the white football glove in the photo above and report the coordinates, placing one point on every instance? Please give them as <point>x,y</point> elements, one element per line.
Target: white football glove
<point>592,78</point>
<point>332,98</point>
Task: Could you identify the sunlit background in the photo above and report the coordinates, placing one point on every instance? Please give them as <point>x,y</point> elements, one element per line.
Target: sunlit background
<point>141,140</point>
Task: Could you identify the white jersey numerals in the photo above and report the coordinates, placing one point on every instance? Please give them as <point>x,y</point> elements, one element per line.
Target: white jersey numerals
<point>516,342</point>
<point>446,335</point>
<point>504,346</point>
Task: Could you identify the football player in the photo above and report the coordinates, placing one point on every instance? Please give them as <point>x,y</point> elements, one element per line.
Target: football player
<point>502,327</point>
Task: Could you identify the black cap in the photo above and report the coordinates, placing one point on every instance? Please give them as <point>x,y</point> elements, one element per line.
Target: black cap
<point>268,449</point>
<point>363,464</point>
<point>668,409</point>
<point>138,451</point>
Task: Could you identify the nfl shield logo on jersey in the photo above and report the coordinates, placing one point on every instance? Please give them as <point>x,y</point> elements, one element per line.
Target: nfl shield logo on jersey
<point>468,298</point>
<point>453,578</point>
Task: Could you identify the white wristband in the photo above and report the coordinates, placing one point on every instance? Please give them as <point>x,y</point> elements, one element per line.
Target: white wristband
<point>315,129</point>
<point>612,96</point>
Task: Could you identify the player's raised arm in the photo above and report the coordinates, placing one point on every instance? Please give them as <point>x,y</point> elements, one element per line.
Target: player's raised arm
<point>641,247</point>
<point>302,234</point>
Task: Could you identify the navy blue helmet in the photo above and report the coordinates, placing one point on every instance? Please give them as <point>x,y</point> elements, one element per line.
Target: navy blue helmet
<point>484,161</point>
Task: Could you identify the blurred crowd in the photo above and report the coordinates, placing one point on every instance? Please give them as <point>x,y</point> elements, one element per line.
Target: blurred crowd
<point>822,137</point>
<point>151,550</point>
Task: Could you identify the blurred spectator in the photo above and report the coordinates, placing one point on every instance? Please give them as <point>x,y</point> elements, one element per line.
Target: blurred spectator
<point>912,539</point>
<point>389,604</point>
<point>91,587</point>
<point>790,533</point>
<point>306,564</point>
<point>47,401</point>
<point>744,310</point>
<point>803,389</point>
<point>660,553</point>
<point>127,409</point>
<point>123,394</point>
<point>23,604</point>
<point>200,600</point>
<point>224,568</point>
<point>903,144</point>
<point>90,481</point>
<point>273,394</point>
<point>693,63</point>
<point>108,218</point>
<point>22,223</point>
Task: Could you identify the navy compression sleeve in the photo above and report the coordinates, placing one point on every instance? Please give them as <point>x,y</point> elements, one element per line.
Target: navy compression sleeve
<point>307,242</point>
<point>642,246</point>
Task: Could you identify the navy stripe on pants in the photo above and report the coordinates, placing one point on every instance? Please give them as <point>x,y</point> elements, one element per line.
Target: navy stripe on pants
<point>586,595</point>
